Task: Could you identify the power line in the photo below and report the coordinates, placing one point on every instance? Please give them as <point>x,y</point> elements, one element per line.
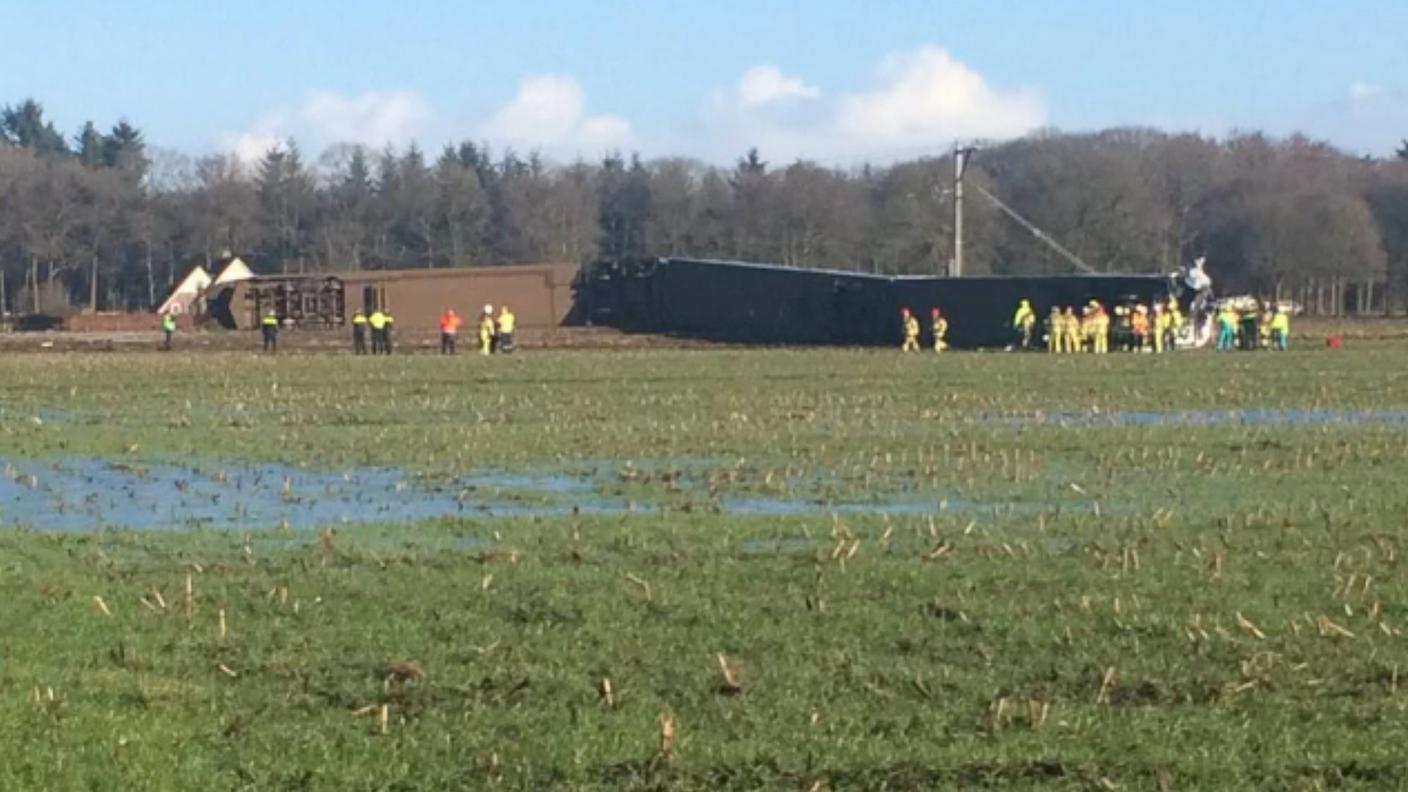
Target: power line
<point>1075,260</point>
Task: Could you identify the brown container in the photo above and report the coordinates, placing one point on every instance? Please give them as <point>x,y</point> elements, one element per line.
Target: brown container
<point>540,295</point>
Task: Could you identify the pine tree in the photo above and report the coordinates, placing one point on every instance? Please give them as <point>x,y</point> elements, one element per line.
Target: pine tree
<point>25,126</point>
<point>125,150</point>
<point>285,190</point>
<point>90,145</point>
<point>625,207</point>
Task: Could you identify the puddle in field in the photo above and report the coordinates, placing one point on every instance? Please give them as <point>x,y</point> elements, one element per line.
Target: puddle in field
<point>1252,416</point>
<point>83,493</point>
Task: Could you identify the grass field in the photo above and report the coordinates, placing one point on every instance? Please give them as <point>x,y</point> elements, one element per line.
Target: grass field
<point>720,569</point>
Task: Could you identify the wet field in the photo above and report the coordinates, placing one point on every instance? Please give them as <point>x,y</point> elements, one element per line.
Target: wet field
<point>826,569</point>
<point>84,493</point>
<point>88,494</point>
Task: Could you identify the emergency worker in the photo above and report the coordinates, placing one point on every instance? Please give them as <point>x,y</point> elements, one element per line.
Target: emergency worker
<point>486,330</point>
<point>1055,326</point>
<point>909,326</point>
<point>168,326</point>
<point>1281,328</point>
<point>359,333</point>
<point>377,322</point>
<point>449,331</point>
<point>269,328</point>
<point>1161,325</point>
<point>504,331</point>
<point>1226,328</point>
<point>1139,328</point>
<point>939,326</point>
<point>386,333</point>
<point>1248,320</point>
<point>1100,322</point>
<point>1023,322</point>
<point>1070,331</point>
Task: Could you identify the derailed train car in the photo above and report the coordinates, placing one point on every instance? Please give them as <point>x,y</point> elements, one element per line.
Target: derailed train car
<point>762,303</point>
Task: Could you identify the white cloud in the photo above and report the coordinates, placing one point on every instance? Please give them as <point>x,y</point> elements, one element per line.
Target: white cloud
<point>549,114</point>
<point>323,118</point>
<point>919,102</point>
<point>926,95</point>
<point>248,147</point>
<point>1360,91</point>
<point>761,85</point>
<point>372,119</point>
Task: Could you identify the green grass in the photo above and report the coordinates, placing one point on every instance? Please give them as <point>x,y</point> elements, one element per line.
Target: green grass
<point>1212,606</point>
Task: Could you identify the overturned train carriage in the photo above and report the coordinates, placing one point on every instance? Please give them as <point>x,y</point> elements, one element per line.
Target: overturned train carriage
<point>539,294</point>
<point>759,303</point>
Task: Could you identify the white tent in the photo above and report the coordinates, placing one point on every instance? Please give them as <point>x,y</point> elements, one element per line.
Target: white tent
<point>184,296</point>
<point>234,270</point>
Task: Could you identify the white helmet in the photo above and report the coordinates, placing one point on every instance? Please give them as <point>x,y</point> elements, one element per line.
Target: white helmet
<point>488,308</point>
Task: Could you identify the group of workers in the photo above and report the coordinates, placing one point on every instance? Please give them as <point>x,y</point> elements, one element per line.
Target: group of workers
<point>938,327</point>
<point>1090,330</point>
<point>1135,328</point>
<point>495,334</point>
<point>379,325</point>
<point>1253,326</point>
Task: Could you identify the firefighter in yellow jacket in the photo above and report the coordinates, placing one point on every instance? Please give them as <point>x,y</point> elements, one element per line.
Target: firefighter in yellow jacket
<point>503,338</point>
<point>1162,322</point>
<point>939,326</point>
<point>1281,329</point>
<point>1099,328</point>
<point>486,330</point>
<point>1070,331</point>
<point>1023,322</point>
<point>909,325</point>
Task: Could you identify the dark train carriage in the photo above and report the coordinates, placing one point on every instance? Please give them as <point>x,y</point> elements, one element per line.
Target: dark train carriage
<point>761,303</point>
<point>980,309</point>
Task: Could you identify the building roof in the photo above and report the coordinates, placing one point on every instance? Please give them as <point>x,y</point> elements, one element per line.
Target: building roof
<point>233,270</point>
<point>186,291</point>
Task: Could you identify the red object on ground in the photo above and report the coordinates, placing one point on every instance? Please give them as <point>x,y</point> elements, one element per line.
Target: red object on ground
<point>1334,342</point>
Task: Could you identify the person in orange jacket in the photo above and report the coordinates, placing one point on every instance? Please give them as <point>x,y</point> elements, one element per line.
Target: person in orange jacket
<point>1140,324</point>
<point>449,331</point>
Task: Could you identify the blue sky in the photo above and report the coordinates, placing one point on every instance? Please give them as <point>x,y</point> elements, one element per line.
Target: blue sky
<point>837,81</point>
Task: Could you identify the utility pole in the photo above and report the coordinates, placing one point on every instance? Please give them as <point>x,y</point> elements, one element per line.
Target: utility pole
<point>960,166</point>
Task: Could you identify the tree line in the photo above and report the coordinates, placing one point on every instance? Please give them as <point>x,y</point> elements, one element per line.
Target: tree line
<point>102,220</point>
